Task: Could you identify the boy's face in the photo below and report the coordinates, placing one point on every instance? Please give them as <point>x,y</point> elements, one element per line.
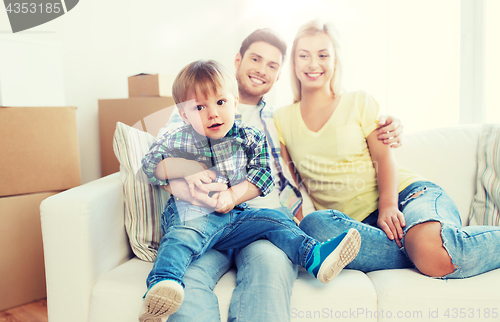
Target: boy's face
<point>211,116</point>
<point>258,69</point>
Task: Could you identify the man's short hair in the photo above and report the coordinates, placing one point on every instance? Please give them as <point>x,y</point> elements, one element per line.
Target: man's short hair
<point>266,35</point>
<point>203,77</point>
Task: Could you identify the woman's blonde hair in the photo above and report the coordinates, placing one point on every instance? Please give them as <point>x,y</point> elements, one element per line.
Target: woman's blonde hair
<point>312,28</point>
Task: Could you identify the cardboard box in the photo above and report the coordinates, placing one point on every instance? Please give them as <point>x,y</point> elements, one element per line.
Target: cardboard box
<point>150,85</point>
<point>148,114</point>
<point>39,148</point>
<point>22,270</point>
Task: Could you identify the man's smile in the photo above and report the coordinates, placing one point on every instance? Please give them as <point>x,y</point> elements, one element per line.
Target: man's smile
<point>256,80</point>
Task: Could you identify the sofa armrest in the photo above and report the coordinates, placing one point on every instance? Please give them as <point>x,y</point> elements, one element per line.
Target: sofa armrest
<point>84,237</point>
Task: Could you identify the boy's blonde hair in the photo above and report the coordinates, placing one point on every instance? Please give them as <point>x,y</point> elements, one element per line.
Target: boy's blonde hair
<point>312,28</point>
<point>203,77</point>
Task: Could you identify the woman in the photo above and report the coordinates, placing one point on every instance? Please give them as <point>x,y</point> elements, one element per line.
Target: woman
<point>329,139</point>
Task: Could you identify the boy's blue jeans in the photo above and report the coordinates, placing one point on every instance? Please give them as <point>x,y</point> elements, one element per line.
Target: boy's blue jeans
<point>264,284</point>
<point>191,230</point>
<point>473,249</point>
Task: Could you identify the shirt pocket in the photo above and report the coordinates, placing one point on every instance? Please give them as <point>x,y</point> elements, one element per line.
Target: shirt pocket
<point>350,140</point>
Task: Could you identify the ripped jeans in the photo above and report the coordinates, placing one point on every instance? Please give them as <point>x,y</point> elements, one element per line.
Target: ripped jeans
<point>473,249</point>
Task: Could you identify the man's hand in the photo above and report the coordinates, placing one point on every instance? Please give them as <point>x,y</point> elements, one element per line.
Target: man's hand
<point>392,221</point>
<point>226,201</point>
<point>180,189</point>
<point>198,180</point>
<point>390,131</point>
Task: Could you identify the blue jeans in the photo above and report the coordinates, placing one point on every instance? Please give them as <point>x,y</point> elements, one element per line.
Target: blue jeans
<point>264,282</point>
<point>473,249</point>
<point>191,231</point>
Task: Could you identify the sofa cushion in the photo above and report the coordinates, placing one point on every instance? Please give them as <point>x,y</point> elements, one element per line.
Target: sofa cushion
<point>407,295</point>
<point>447,157</point>
<point>486,203</point>
<point>143,202</point>
<point>350,297</point>
<point>117,296</point>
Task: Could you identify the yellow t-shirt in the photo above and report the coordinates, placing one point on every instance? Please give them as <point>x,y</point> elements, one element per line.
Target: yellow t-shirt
<point>335,163</point>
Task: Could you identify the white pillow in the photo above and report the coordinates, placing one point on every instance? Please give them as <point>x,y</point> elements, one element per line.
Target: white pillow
<point>143,202</point>
<point>485,206</point>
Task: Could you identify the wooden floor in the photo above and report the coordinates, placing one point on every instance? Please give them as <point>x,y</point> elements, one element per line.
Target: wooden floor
<point>32,312</point>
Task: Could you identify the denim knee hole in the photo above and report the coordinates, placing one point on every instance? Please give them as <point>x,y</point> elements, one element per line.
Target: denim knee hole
<point>414,195</point>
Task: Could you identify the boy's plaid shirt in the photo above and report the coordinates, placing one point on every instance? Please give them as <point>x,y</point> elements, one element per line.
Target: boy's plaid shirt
<point>290,196</point>
<point>242,154</point>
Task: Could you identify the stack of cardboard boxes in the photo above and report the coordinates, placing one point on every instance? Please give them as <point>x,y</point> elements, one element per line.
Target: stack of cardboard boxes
<point>148,108</point>
<point>39,158</point>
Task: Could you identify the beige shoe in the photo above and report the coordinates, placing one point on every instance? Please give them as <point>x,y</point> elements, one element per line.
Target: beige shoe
<point>162,300</point>
<point>330,257</point>
<point>345,253</point>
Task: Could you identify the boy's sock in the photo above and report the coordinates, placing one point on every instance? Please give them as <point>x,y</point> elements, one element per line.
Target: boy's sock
<point>162,300</point>
<point>327,259</point>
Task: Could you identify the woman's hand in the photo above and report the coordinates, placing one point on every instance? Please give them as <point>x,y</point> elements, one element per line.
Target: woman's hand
<point>390,130</point>
<point>392,221</point>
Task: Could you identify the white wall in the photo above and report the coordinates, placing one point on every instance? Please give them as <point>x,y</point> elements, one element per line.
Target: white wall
<point>104,42</point>
<point>405,52</point>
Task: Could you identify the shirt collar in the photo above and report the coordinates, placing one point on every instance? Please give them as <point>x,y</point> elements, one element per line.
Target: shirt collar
<point>201,141</point>
<point>261,103</point>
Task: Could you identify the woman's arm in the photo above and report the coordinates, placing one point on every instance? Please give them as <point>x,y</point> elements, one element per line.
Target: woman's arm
<point>390,219</point>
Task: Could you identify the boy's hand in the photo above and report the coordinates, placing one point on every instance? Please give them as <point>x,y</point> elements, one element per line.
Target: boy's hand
<point>391,130</point>
<point>226,201</point>
<point>392,221</point>
<point>180,189</point>
<point>198,180</point>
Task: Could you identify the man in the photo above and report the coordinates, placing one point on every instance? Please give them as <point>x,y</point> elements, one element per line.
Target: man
<point>265,275</point>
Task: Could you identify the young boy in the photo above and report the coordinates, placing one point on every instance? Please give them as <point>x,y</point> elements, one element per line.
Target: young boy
<point>206,96</point>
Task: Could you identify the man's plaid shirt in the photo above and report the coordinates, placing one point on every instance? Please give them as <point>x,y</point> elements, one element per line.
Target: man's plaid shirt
<point>242,154</point>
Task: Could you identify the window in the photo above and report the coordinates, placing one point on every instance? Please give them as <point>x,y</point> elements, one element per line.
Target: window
<point>423,63</point>
<point>492,61</point>
<point>405,53</point>
<point>430,63</point>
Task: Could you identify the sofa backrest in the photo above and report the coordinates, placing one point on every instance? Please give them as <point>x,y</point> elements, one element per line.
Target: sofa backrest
<point>447,157</point>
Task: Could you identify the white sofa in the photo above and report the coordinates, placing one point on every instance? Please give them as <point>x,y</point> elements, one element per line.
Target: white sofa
<point>92,274</point>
